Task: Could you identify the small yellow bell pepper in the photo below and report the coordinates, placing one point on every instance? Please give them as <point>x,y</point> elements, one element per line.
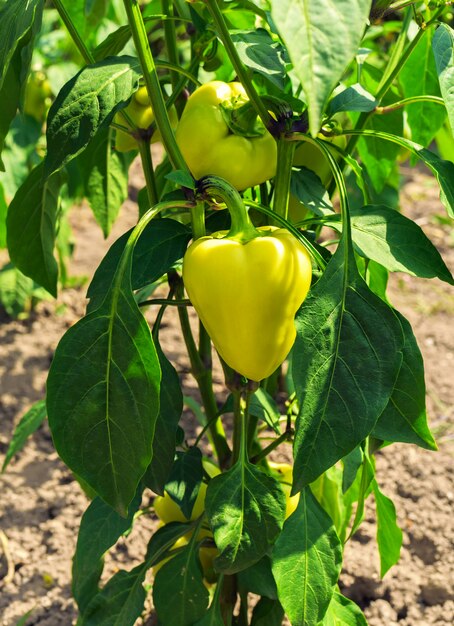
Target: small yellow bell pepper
<point>208,145</point>
<point>141,113</point>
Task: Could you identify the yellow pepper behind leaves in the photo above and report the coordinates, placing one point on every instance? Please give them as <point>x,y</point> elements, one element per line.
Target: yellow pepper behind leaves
<point>141,113</point>
<point>210,148</point>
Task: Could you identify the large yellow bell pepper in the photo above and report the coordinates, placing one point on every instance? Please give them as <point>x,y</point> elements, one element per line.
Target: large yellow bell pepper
<point>208,145</point>
<point>247,293</point>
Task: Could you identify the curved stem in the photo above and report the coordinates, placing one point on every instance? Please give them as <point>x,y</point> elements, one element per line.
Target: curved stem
<point>139,35</point>
<point>413,100</point>
<point>242,228</point>
<point>165,302</point>
<point>285,152</point>
<point>241,71</point>
<point>198,220</point>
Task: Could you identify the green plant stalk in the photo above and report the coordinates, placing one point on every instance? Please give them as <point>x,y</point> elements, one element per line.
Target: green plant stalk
<point>148,170</point>
<point>285,153</point>
<point>66,18</point>
<point>286,436</point>
<point>204,380</point>
<point>165,302</point>
<point>171,39</point>
<point>140,38</point>
<point>198,220</point>
<point>241,71</point>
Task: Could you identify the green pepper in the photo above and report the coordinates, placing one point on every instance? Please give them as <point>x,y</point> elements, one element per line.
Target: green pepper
<point>210,147</point>
<point>246,286</point>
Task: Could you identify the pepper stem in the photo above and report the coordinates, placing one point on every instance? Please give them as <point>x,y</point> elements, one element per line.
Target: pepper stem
<point>242,229</point>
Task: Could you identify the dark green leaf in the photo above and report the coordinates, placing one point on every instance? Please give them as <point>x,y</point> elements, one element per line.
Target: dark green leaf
<point>346,337</point>
<point>308,188</point>
<point>364,489</point>
<point>419,78</point>
<point>213,616</point>
<point>185,479</point>
<point>353,98</point>
<point>343,612</point>
<point>3,214</point>
<point>389,535</point>
<point>179,177</point>
<point>106,178</point>
<point>99,530</point>
<point>179,595</point>
<point>263,406</point>
<point>162,243</point>
<point>113,44</point>
<point>120,602</point>
<point>9,95</point>
<point>258,51</point>
<point>86,104</point>
<point>443,49</point>
<point>164,442</point>
<point>103,393</point>
<point>318,57</point>
<point>245,508</point>
<point>307,557</point>
<point>267,613</point>
<point>28,424</point>
<point>404,418</point>
<point>31,228</point>
<point>258,579</point>
<point>396,242</point>
<point>164,539</point>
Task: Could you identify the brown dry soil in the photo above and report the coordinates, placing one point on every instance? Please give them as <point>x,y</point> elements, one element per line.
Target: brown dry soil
<point>41,504</point>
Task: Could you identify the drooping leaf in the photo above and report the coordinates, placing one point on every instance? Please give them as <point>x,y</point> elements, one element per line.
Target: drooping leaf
<point>404,418</point>
<point>343,612</point>
<point>352,462</point>
<point>267,612</point>
<point>162,243</point>
<point>389,535</point>
<point>396,242</point>
<point>103,393</point>
<point>31,233</point>
<point>308,188</point>
<point>318,57</point>
<point>328,491</point>
<point>365,480</point>
<point>86,104</point>
<point>418,77</point>
<point>99,530</point>
<point>443,49</point>
<point>179,595</point>
<point>170,409</point>
<point>28,424</point>
<point>346,337</point>
<point>185,479</point>
<point>245,509</point>
<point>120,602</point>
<point>307,557</point>
<point>106,178</point>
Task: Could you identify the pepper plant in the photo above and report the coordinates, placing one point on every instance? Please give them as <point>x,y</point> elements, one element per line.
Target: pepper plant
<point>281,122</point>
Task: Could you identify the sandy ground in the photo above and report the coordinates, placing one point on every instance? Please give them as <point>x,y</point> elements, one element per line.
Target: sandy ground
<point>41,504</point>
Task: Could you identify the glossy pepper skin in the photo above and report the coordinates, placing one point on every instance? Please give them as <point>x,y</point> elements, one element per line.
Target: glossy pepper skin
<point>247,294</point>
<point>210,148</point>
<point>141,113</point>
